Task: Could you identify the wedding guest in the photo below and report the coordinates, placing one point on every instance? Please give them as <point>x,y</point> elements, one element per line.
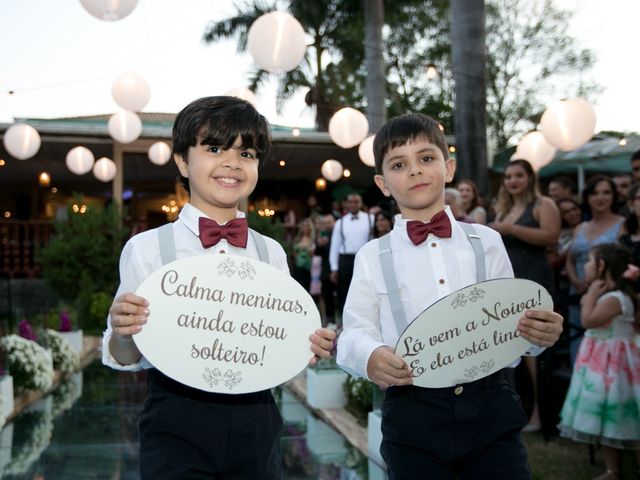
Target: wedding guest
<point>303,247</point>
<point>561,187</point>
<point>471,201</point>
<point>383,223</point>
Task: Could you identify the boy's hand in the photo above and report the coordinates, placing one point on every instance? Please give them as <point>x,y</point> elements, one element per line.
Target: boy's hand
<point>128,313</point>
<point>386,369</point>
<point>541,327</point>
<point>322,343</point>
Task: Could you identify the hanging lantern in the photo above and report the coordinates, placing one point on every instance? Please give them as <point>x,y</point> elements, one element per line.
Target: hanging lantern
<point>109,10</point>
<point>568,124</point>
<point>131,91</point>
<point>244,94</point>
<point>348,127</point>
<point>159,153</point>
<point>79,160</point>
<point>125,126</point>
<point>104,169</point>
<point>22,141</point>
<point>365,151</point>
<point>276,42</point>
<point>534,148</point>
<point>331,170</point>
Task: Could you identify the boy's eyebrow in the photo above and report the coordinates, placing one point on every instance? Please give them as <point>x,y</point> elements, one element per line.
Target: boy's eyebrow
<point>419,152</point>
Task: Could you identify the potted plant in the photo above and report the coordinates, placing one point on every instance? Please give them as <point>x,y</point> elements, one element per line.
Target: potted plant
<point>66,331</point>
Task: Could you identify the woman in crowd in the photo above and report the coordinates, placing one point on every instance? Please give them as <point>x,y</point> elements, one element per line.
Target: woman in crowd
<point>471,201</point>
<point>303,248</point>
<point>382,224</point>
<point>528,223</point>
<point>571,214</point>
<point>631,239</point>
<point>599,198</point>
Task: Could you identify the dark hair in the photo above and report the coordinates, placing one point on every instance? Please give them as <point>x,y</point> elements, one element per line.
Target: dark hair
<point>565,181</point>
<point>616,258</point>
<point>590,188</point>
<point>566,200</point>
<point>219,121</point>
<point>631,223</point>
<point>404,129</point>
<point>504,201</point>
<point>386,214</point>
<point>636,155</point>
<point>477,201</point>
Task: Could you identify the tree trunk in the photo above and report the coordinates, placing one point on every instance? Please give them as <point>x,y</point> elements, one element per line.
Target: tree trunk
<point>469,64</point>
<point>373,21</point>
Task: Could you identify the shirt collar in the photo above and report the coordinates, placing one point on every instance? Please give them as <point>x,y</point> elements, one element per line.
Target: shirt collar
<point>189,216</point>
<point>400,224</point>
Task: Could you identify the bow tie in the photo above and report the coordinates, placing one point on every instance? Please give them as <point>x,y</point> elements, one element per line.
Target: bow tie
<point>354,216</point>
<point>235,232</point>
<point>439,225</point>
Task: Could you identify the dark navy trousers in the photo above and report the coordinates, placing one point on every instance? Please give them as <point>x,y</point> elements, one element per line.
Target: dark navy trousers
<point>190,434</point>
<point>471,431</point>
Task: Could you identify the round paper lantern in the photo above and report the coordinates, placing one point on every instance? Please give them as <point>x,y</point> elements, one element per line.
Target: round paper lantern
<point>131,91</point>
<point>348,127</point>
<point>568,124</point>
<point>159,153</point>
<point>365,151</point>
<point>104,169</point>
<point>79,160</point>
<point>125,126</point>
<point>109,10</point>
<point>331,170</point>
<point>243,93</point>
<point>536,150</point>
<point>22,141</point>
<point>276,42</point>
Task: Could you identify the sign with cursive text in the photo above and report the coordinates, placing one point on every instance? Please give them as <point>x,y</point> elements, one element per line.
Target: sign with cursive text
<point>226,323</point>
<point>470,333</point>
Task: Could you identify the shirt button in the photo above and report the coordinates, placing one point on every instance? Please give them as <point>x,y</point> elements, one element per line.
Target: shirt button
<point>441,281</point>
<point>434,244</point>
<point>458,390</point>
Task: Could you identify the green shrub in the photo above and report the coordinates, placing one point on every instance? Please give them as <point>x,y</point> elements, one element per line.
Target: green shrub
<point>359,393</point>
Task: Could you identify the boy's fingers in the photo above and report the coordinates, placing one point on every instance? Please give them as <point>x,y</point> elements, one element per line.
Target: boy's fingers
<point>321,342</point>
<point>132,298</point>
<point>319,351</point>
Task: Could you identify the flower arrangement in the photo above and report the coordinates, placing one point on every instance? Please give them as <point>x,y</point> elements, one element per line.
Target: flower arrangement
<point>65,396</point>
<point>65,321</point>
<point>359,393</point>
<point>65,358</point>
<point>29,363</point>
<point>32,434</point>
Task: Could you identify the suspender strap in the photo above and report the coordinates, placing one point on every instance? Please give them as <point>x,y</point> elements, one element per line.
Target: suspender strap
<point>478,249</point>
<point>390,280</point>
<point>263,252</point>
<point>167,243</point>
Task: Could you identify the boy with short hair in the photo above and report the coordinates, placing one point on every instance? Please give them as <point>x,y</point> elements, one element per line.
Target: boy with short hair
<point>469,431</point>
<point>185,432</point>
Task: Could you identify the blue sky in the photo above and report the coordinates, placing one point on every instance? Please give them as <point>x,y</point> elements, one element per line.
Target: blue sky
<point>61,61</point>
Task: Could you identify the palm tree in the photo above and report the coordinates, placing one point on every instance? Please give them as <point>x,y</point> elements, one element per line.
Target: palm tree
<point>333,26</point>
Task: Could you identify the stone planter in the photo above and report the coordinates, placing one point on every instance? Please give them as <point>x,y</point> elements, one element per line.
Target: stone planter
<point>293,411</point>
<point>323,441</point>
<point>6,391</point>
<point>6,446</point>
<point>374,436</point>
<point>75,339</point>
<point>324,388</point>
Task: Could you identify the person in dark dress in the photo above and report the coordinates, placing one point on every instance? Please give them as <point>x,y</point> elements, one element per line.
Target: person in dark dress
<point>529,223</point>
<point>631,239</point>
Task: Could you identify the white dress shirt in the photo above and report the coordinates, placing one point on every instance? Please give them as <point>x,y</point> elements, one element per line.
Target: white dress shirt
<point>141,256</point>
<point>425,273</point>
<point>349,234</point>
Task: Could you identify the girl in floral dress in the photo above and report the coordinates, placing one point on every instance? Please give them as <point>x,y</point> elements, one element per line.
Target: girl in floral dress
<point>603,401</point>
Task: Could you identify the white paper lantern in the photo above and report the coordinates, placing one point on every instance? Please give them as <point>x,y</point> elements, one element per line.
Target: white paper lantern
<point>131,91</point>
<point>348,127</point>
<point>244,94</point>
<point>125,126</point>
<point>276,42</point>
<point>109,10</point>
<point>159,153</point>
<point>104,169</point>
<point>22,141</point>
<point>331,170</point>
<point>568,124</point>
<point>534,148</point>
<point>365,151</point>
<point>79,160</point>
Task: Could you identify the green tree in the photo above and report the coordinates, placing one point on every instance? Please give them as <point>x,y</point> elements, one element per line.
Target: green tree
<point>81,260</point>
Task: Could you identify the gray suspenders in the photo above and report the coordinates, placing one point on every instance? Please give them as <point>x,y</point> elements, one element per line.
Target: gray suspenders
<point>168,245</point>
<point>391,282</point>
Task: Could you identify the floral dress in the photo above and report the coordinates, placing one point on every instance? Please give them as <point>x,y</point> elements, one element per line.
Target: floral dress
<point>603,401</point>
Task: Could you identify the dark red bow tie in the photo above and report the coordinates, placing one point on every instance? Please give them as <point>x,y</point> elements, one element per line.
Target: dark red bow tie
<point>439,225</point>
<point>235,232</point>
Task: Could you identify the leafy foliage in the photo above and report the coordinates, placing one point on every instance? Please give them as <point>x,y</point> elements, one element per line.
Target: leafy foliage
<point>359,393</point>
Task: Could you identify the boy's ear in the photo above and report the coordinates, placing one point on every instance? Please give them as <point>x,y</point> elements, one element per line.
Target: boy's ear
<point>182,165</point>
<point>450,166</point>
<point>379,179</point>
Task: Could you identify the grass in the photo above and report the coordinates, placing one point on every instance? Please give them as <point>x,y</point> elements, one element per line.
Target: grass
<point>562,459</point>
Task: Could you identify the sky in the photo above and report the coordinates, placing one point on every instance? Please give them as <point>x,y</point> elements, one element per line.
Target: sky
<point>60,61</point>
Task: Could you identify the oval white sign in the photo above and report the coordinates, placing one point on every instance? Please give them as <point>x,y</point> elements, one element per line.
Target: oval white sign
<point>226,323</point>
<point>470,333</point>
